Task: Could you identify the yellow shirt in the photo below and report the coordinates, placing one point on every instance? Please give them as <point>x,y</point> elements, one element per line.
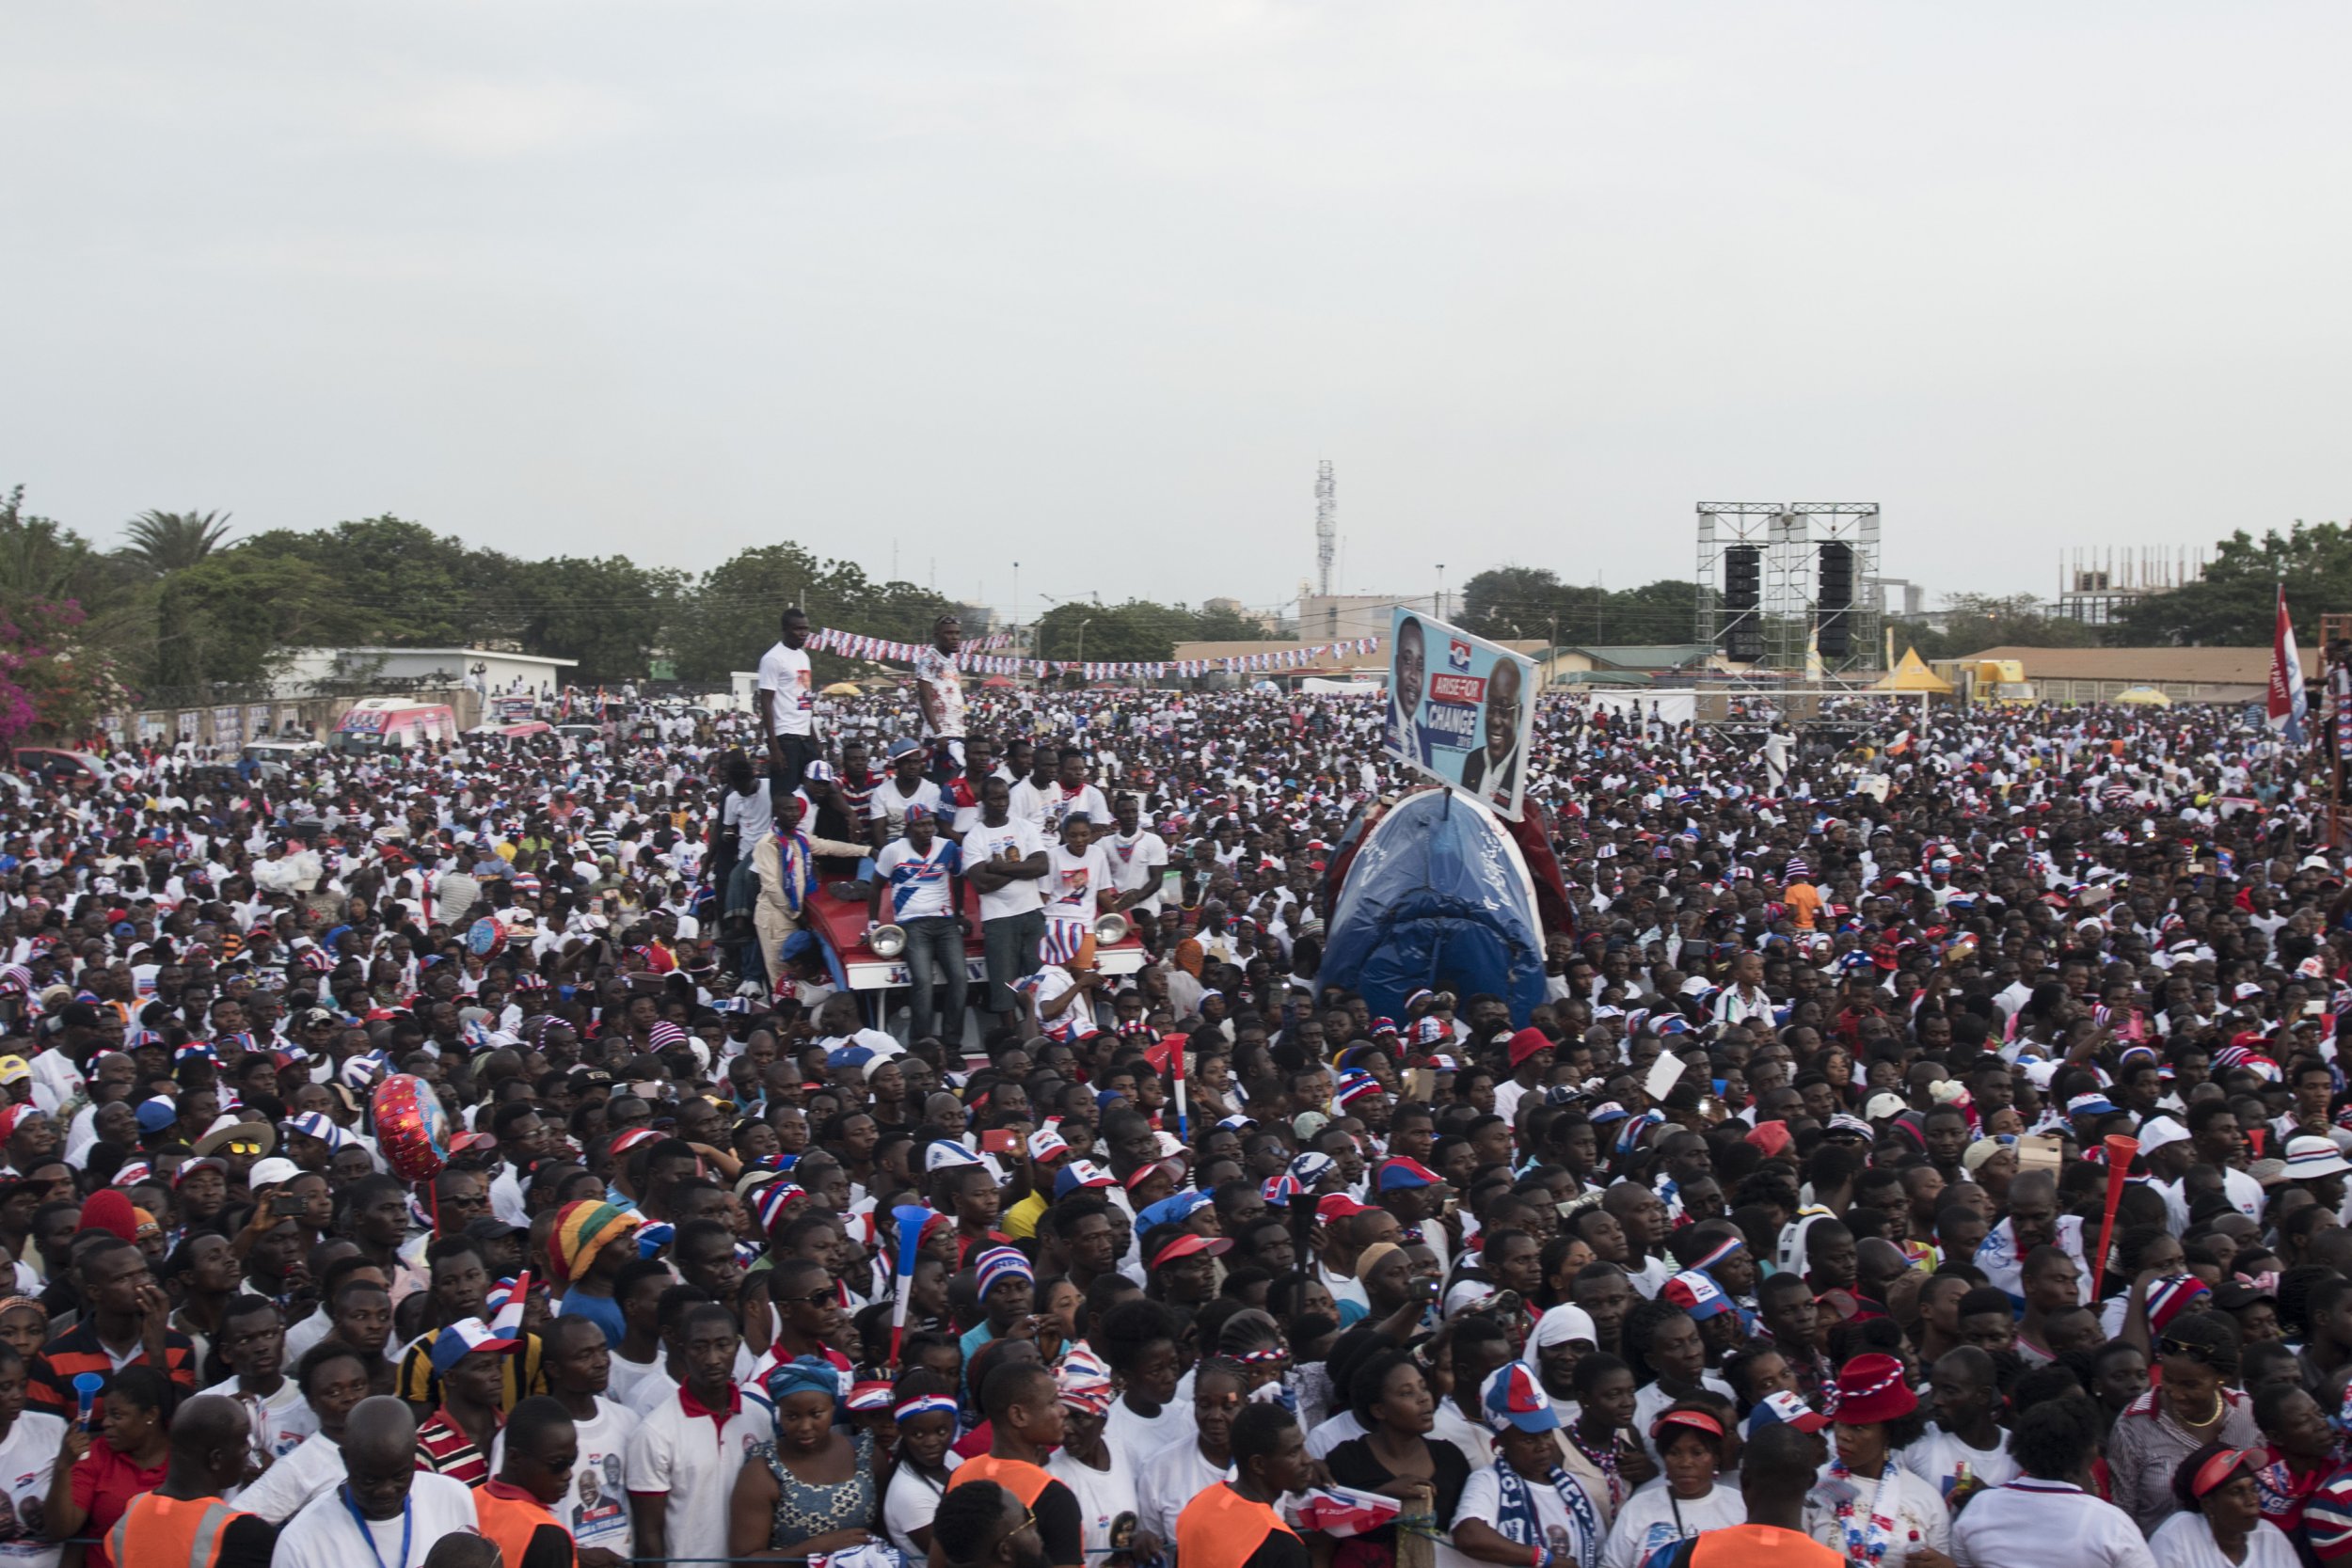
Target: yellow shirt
<point>1020,1221</point>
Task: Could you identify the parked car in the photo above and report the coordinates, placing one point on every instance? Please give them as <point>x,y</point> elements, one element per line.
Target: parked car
<point>59,764</point>
<point>275,759</point>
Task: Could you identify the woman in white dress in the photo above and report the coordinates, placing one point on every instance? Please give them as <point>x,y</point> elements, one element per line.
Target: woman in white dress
<point>1866,1507</point>
<point>2220,1524</point>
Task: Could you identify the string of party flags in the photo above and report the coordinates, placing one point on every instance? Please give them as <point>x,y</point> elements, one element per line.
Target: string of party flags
<point>980,657</point>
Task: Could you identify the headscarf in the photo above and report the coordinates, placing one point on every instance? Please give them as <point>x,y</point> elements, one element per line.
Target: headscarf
<point>1083,1382</point>
<point>1558,1326</point>
<point>802,1374</point>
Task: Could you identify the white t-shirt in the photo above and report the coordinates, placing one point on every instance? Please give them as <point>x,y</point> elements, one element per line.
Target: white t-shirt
<point>289,1486</point>
<point>754,815</point>
<point>1137,1438</point>
<point>911,1503</point>
<point>1135,862</point>
<point>1046,806</point>
<point>1048,985</point>
<point>324,1534</point>
<point>1937,1456</point>
<point>1170,1480</point>
<point>1106,1499</point>
<point>937,670</point>
<point>2185,1541</point>
<point>281,1421</point>
<point>694,1462</point>
<point>630,1376</point>
<point>2046,1521</point>
<point>1331,1432</point>
<point>595,1509</point>
<point>27,1460</point>
<point>1654,1516</point>
<point>1072,882</point>
<point>919,884</point>
<point>982,843</point>
<point>784,671</point>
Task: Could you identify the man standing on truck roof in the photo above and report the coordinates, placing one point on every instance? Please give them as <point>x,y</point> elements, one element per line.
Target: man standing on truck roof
<point>787,705</point>
<point>938,693</point>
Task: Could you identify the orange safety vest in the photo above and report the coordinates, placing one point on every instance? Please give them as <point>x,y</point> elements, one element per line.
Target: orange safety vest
<point>1757,1547</point>
<point>1019,1477</point>
<point>156,1532</point>
<point>509,1517</point>
<point>1220,1528</point>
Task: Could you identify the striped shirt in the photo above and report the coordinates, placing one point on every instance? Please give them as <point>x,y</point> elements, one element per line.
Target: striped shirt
<point>49,1383</point>
<point>443,1448</point>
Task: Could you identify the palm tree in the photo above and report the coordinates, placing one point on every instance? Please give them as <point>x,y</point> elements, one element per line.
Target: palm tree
<point>164,542</point>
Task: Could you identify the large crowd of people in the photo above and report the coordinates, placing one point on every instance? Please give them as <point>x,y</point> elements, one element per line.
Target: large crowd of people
<point>1789,1228</point>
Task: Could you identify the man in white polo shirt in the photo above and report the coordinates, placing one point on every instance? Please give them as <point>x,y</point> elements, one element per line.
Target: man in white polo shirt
<point>684,1457</point>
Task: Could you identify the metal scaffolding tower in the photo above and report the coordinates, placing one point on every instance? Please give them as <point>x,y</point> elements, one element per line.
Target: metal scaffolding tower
<point>1761,569</point>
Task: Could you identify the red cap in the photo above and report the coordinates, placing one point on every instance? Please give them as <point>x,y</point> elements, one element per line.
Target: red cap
<point>1527,1042</point>
<point>1339,1206</point>
<point>1187,1244</point>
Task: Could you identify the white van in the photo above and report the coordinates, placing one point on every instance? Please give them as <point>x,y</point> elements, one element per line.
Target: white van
<point>397,724</point>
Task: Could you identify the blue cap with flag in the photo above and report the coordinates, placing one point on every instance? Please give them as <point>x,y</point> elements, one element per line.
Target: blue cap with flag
<point>1512,1396</point>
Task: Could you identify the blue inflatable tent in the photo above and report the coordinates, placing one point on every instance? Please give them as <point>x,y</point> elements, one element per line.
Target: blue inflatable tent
<point>1438,897</point>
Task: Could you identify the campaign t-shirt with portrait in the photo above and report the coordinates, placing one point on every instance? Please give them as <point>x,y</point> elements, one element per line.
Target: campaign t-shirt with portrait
<point>1072,882</point>
<point>595,1507</point>
<point>27,1460</point>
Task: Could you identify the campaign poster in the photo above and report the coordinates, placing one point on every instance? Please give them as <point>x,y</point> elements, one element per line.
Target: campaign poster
<point>1460,709</point>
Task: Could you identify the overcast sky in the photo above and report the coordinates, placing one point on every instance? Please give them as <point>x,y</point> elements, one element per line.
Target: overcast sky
<point>1092,286</point>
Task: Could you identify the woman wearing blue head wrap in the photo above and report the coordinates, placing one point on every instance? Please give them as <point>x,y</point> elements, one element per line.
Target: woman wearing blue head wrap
<point>812,1489</point>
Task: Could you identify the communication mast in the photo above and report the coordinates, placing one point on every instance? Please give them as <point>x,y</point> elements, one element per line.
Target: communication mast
<point>1326,524</point>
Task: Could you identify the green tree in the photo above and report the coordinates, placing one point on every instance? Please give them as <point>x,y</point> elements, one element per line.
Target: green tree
<point>234,616</point>
<point>416,584</point>
<point>1140,631</point>
<point>1509,602</point>
<point>164,542</point>
<point>71,623</point>
<point>609,613</point>
<point>42,558</point>
<point>2235,603</point>
<point>730,617</point>
<point>1097,633</point>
